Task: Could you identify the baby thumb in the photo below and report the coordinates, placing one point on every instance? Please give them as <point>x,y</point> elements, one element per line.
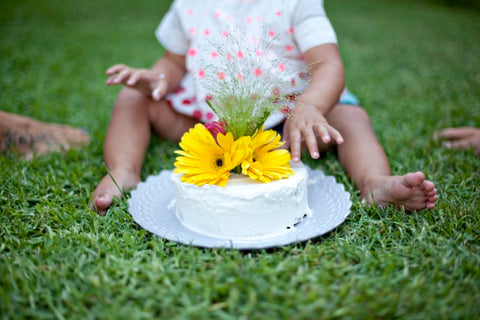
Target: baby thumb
<point>160,89</point>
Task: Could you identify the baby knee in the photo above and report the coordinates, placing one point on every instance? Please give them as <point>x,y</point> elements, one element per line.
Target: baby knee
<point>360,114</point>
<point>349,113</point>
<point>129,98</point>
<point>157,110</point>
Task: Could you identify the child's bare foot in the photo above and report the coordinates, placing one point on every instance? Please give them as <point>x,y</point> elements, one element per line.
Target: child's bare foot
<point>31,137</point>
<point>410,191</point>
<point>106,190</point>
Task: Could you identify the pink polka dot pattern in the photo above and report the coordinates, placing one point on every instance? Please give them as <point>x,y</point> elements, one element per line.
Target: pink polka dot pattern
<point>197,114</point>
<point>210,116</point>
<point>207,24</point>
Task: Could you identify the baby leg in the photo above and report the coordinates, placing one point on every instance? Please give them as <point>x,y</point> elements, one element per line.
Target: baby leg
<point>365,162</point>
<point>127,140</point>
<point>124,149</point>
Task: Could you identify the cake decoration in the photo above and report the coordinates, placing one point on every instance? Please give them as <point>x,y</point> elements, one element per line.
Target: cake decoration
<point>246,84</point>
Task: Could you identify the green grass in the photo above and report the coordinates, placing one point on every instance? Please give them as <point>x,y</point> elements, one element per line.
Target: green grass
<point>415,67</point>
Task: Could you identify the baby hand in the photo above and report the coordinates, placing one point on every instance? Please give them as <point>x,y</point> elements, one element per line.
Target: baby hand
<point>306,123</point>
<point>150,82</point>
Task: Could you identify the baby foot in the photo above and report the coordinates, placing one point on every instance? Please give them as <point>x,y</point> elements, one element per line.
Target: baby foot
<point>107,189</point>
<point>410,191</point>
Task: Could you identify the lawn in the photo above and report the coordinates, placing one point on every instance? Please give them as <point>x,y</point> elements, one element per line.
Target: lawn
<point>415,65</point>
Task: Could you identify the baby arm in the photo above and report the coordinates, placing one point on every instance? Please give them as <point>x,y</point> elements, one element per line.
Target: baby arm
<point>307,119</point>
<point>165,76</point>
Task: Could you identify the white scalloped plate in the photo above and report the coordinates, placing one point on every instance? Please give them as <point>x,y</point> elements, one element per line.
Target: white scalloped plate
<point>151,206</point>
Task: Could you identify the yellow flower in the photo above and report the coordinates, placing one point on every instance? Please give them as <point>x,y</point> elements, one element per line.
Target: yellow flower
<point>265,163</point>
<point>203,160</point>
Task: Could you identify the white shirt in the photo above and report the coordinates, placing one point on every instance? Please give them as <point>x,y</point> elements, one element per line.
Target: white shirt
<point>200,29</point>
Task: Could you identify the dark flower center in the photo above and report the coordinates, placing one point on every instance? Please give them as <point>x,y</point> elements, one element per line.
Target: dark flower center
<point>219,162</point>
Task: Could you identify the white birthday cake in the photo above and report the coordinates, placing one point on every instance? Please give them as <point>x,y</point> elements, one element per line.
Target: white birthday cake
<point>232,179</point>
<point>244,208</point>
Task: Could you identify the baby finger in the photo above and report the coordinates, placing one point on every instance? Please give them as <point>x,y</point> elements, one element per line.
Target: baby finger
<point>115,69</point>
<point>120,78</point>
<point>295,145</point>
<point>312,146</point>
<point>286,140</point>
<point>336,135</point>
<point>133,78</point>
<point>322,131</point>
<point>159,91</point>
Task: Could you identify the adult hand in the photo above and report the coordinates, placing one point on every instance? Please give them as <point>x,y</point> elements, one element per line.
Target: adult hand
<point>460,138</point>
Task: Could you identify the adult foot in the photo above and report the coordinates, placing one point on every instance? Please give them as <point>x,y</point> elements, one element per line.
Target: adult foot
<point>31,137</point>
<point>410,191</point>
<point>107,189</point>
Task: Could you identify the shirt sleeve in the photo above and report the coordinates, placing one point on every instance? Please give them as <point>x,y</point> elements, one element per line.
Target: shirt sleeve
<point>311,25</point>
<point>170,32</point>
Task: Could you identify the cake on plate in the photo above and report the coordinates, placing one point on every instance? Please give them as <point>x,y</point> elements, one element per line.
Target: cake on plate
<point>244,208</point>
<point>232,179</point>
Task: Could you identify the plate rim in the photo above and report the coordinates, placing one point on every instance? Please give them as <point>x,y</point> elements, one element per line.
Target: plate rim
<point>209,241</point>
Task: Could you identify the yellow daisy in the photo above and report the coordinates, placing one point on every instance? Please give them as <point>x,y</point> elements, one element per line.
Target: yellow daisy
<point>267,162</point>
<point>203,160</point>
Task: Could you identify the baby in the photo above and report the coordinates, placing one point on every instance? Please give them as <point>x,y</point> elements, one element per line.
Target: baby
<point>169,98</point>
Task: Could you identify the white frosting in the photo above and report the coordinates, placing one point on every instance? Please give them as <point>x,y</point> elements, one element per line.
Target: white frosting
<point>244,208</point>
